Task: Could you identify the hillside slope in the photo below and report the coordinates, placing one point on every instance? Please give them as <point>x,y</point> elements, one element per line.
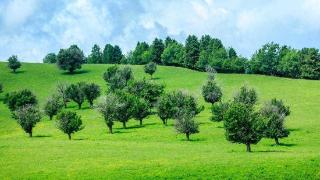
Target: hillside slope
<point>154,150</point>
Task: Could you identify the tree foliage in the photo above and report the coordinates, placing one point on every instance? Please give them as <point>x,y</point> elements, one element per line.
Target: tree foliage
<point>185,123</point>
<point>70,59</point>
<point>27,117</point>
<point>17,99</point>
<point>91,91</point>
<point>108,107</point>
<point>156,50</point>
<point>63,93</point>
<point>150,68</point>
<point>118,78</point>
<point>211,92</point>
<point>69,122</point>
<point>50,58</point>
<point>96,55</point>
<point>219,109</point>
<point>14,63</point>
<point>76,93</point>
<point>141,109</point>
<point>53,105</point>
<point>246,96</point>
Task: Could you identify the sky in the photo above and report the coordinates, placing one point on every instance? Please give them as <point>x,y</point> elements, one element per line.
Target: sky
<point>32,28</point>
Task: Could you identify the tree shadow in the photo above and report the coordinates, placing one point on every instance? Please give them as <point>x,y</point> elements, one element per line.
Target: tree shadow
<point>294,129</point>
<point>41,136</point>
<point>268,151</point>
<point>149,124</point>
<point>155,78</point>
<point>80,139</point>
<point>18,72</point>
<point>76,72</point>
<point>285,145</point>
<point>134,127</point>
<point>193,139</point>
<point>120,132</point>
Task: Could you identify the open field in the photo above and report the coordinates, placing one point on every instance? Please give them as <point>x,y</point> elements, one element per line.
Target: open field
<point>156,151</point>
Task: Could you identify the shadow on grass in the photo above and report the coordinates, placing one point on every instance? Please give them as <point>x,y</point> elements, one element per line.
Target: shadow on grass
<point>134,127</point>
<point>267,151</point>
<point>121,132</point>
<point>285,145</point>
<point>155,78</point>
<point>294,129</point>
<point>149,124</point>
<point>18,72</point>
<point>80,139</point>
<point>41,136</point>
<point>194,139</point>
<point>76,72</point>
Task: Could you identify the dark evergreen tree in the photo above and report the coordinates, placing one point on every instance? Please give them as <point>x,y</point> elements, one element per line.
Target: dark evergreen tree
<point>96,55</point>
<point>156,50</point>
<point>192,49</point>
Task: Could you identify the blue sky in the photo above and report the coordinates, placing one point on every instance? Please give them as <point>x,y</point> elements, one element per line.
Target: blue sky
<point>32,28</point>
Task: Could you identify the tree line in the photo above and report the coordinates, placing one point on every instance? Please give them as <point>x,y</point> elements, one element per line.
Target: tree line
<point>198,53</point>
<point>128,98</point>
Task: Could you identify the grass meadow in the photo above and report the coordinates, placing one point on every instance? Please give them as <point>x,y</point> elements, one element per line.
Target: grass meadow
<point>155,150</point>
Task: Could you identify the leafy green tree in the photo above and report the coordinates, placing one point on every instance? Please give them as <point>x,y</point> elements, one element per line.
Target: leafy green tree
<point>117,54</point>
<point>27,117</point>
<point>211,92</point>
<point>219,110</point>
<point>92,91</point>
<point>70,59</point>
<point>169,41</point>
<point>62,93</point>
<point>242,125</point>
<point>275,113</point>
<point>150,68</point>
<point>147,90</point>
<point>141,109</point>
<point>125,107</point>
<point>50,58</point>
<point>76,93</point>
<point>118,78</point>
<point>173,54</point>
<point>156,50</point>
<point>141,54</point>
<point>53,105</point>
<point>108,54</point>
<point>232,54</point>
<point>246,96</point>
<point>185,124</point>
<point>266,59</point>
<point>289,64</point>
<point>108,107</point>
<point>96,55</point>
<point>17,99</point>
<point>69,122</point>
<point>14,63</point>
<point>170,104</point>
<point>310,63</point>
<point>192,49</point>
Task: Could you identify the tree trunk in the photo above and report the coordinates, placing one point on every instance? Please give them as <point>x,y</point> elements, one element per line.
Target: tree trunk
<point>187,135</point>
<point>276,140</point>
<point>50,117</point>
<point>248,147</point>
<point>79,105</point>
<point>69,136</point>
<point>140,122</point>
<point>166,121</point>
<point>110,129</point>
<point>65,104</point>
<point>30,133</point>
<point>124,124</point>
<point>163,121</point>
<point>14,70</point>
<point>91,104</point>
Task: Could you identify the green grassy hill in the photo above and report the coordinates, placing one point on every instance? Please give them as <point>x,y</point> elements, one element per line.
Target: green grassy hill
<point>155,151</point>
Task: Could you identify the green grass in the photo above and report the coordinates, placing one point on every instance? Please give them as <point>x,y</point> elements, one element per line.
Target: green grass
<point>155,151</point>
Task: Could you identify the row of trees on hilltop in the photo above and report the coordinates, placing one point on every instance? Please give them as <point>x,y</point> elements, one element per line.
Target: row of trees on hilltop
<point>198,53</point>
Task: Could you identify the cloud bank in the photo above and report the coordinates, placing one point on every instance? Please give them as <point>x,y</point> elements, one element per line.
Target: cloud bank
<point>32,28</point>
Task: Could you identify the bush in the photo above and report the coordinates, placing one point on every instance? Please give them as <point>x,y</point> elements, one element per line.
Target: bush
<point>92,91</point>
<point>218,111</point>
<point>211,92</point>
<point>27,117</point>
<point>150,68</point>
<point>17,99</point>
<point>53,106</point>
<point>275,113</point>
<point>76,93</point>
<point>70,59</point>
<point>69,122</point>
<point>185,124</point>
<point>242,125</point>
<point>13,63</point>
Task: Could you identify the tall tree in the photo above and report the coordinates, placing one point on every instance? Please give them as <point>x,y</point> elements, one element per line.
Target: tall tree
<point>310,63</point>
<point>108,54</point>
<point>192,49</point>
<point>173,54</point>
<point>96,55</point>
<point>70,59</point>
<point>156,50</point>
<point>141,54</point>
<point>117,55</point>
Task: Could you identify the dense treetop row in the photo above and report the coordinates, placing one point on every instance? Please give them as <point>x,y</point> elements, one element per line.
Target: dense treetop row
<point>128,98</point>
<point>197,53</point>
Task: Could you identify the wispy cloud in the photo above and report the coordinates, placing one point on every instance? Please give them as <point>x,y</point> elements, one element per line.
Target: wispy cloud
<point>32,28</point>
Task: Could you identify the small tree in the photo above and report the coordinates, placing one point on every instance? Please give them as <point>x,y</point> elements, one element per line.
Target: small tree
<point>76,93</point>
<point>211,92</point>
<point>275,113</point>
<point>117,78</point>
<point>70,59</point>
<point>185,124</point>
<point>69,122</point>
<point>50,58</point>
<point>62,92</point>
<point>92,92</point>
<point>13,63</point>
<point>246,96</point>
<point>17,99</point>
<point>125,107</point>
<point>28,116</point>
<point>53,106</point>
<point>219,109</point>
<point>141,109</point>
<point>108,108</point>
<point>150,68</point>
<point>242,125</point>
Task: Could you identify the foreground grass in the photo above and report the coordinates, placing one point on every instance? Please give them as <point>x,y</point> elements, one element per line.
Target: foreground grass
<point>155,151</point>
